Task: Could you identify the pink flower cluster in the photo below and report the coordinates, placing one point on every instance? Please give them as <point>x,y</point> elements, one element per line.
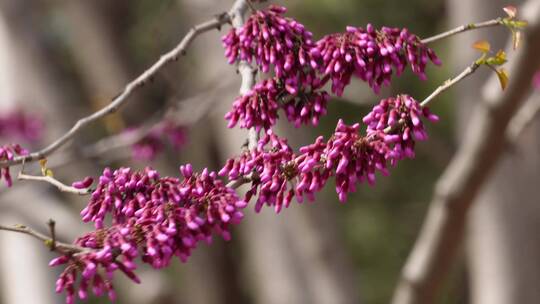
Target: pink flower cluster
<point>271,168</point>
<point>270,39</point>
<point>371,55</point>
<point>259,108</point>
<point>97,266</point>
<point>155,141</point>
<point>8,152</point>
<point>154,217</point>
<point>302,68</point>
<point>21,125</point>
<point>401,116</point>
<point>277,174</point>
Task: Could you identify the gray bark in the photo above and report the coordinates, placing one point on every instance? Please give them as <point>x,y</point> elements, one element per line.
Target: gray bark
<point>502,251</point>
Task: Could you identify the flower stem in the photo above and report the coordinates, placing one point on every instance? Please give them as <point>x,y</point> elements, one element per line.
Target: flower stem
<point>463,28</point>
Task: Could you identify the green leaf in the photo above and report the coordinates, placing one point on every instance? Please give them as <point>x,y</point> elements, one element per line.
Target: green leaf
<point>44,170</point>
<point>43,165</point>
<point>498,59</point>
<point>49,172</point>
<point>519,24</point>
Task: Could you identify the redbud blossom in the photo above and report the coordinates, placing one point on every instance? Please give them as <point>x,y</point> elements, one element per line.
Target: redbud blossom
<point>8,152</point>
<point>20,125</point>
<point>156,218</point>
<point>372,55</point>
<point>278,175</point>
<point>151,145</point>
<point>259,107</point>
<point>402,116</point>
<point>270,39</point>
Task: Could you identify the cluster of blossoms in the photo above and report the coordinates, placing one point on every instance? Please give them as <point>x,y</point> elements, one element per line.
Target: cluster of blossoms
<point>8,152</point>
<point>259,108</point>
<point>21,125</point>
<point>400,116</point>
<point>302,67</point>
<point>270,166</point>
<point>277,174</point>
<point>270,39</point>
<point>154,217</point>
<point>149,147</point>
<point>371,55</point>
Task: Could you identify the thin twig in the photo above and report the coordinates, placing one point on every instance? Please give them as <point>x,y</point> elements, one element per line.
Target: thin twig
<point>235,184</point>
<point>463,28</point>
<point>121,99</point>
<point>51,180</point>
<point>445,86</point>
<point>59,247</point>
<point>449,83</point>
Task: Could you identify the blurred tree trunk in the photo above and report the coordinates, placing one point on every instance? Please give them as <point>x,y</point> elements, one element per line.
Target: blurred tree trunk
<point>502,249</point>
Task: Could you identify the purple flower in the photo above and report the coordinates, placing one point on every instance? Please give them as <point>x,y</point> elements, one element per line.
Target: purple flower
<point>83,184</point>
<point>401,116</point>
<point>256,109</point>
<point>148,147</point>
<point>270,39</point>
<point>312,173</point>
<point>154,218</point>
<point>151,145</point>
<point>271,168</point>
<point>21,125</point>
<point>303,103</point>
<point>372,55</point>
<point>8,152</point>
<point>278,174</point>
<point>353,158</point>
<point>175,134</point>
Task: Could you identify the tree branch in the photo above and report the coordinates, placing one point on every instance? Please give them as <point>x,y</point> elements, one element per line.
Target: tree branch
<point>445,86</point>
<point>51,180</point>
<point>121,99</point>
<point>51,243</point>
<point>450,82</point>
<point>247,73</point>
<point>463,28</point>
<point>442,232</point>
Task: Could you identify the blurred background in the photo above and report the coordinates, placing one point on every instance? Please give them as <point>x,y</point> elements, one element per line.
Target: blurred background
<point>63,59</point>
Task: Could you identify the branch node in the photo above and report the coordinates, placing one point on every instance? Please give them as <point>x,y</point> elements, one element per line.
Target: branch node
<point>52,244</point>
